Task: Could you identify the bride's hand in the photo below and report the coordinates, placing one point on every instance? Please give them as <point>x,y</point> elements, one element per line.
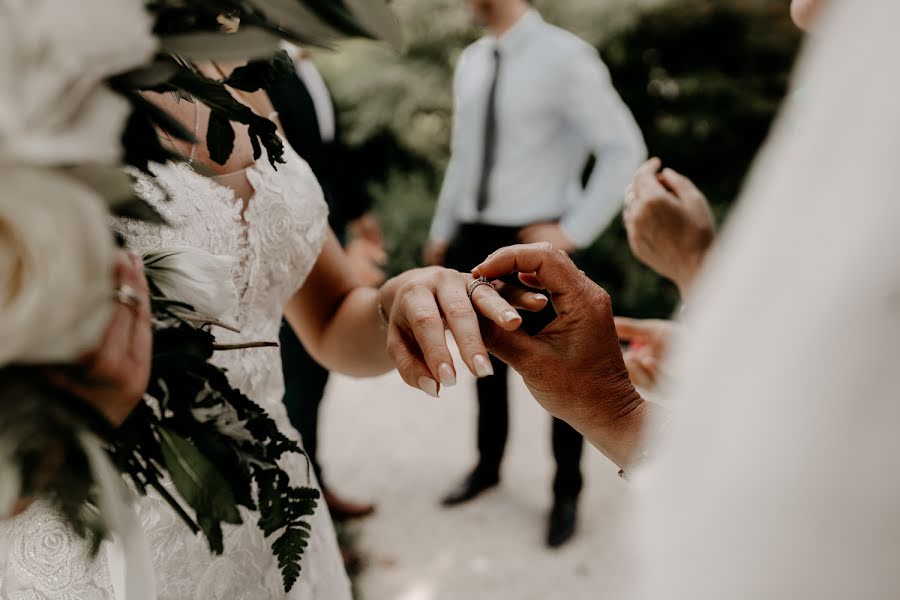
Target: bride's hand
<point>114,377</point>
<point>419,302</point>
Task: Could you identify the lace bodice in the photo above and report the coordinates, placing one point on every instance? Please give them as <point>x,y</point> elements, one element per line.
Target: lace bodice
<point>276,238</point>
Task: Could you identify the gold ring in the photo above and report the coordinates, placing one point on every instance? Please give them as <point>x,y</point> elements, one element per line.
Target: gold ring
<point>476,283</point>
<point>127,295</point>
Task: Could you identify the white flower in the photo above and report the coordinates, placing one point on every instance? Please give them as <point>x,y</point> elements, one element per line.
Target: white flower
<point>194,277</point>
<point>54,58</point>
<point>56,267</point>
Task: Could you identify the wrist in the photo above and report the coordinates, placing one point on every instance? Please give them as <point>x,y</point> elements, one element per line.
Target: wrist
<point>689,270</point>
<point>619,435</point>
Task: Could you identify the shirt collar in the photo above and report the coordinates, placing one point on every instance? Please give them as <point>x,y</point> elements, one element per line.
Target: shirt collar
<point>526,24</point>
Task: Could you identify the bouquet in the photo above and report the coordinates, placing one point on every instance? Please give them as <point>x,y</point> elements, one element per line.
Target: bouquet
<point>71,119</point>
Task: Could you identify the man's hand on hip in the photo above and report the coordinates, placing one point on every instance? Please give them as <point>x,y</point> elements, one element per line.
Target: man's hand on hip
<point>551,233</point>
<point>435,253</point>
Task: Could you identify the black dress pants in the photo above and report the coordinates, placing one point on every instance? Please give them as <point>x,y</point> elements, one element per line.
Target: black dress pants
<point>304,387</point>
<point>472,244</point>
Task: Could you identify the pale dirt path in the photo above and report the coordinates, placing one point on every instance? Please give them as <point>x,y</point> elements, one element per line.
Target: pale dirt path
<point>391,444</point>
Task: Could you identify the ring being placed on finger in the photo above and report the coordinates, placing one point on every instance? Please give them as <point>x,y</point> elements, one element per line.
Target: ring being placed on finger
<point>127,295</point>
<point>476,283</point>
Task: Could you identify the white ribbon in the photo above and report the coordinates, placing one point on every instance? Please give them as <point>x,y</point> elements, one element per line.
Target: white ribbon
<point>128,555</point>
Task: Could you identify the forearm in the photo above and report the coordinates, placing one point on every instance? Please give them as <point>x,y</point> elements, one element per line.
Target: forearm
<point>352,340</point>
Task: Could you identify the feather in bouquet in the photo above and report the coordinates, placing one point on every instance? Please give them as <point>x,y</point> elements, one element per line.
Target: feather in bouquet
<point>72,122</point>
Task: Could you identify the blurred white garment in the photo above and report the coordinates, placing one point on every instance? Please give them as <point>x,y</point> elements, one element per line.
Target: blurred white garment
<point>779,476</point>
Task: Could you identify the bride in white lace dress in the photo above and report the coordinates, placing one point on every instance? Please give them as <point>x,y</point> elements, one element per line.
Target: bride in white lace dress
<point>274,223</point>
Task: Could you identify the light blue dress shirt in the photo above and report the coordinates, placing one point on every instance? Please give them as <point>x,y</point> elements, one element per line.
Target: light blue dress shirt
<point>555,106</point>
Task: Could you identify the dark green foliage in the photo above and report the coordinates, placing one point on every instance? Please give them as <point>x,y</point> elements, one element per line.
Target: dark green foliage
<point>219,448</point>
<point>42,424</point>
<point>704,79</point>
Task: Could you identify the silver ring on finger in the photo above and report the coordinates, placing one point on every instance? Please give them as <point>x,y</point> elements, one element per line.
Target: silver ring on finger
<point>127,296</point>
<point>476,283</point>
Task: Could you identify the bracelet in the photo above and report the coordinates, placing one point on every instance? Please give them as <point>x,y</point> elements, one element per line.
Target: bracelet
<point>643,457</point>
<point>645,453</point>
<point>382,314</point>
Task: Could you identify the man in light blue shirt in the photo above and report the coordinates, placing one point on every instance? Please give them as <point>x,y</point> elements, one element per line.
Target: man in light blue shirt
<point>532,103</point>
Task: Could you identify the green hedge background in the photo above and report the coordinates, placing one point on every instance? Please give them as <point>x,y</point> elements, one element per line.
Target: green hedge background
<point>704,78</point>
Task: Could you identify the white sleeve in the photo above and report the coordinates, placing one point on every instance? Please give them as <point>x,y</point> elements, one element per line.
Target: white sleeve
<point>445,222</point>
<point>595,110</point>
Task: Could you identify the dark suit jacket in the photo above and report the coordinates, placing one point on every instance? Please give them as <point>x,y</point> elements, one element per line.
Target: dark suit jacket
<point>330,161</point>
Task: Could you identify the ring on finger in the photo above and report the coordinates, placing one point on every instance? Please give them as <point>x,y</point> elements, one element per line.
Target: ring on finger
<point>474,285</point>
<point>127,296</point>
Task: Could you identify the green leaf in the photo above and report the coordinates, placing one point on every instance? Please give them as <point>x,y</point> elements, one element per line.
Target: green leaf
<point>248,43</point>
<point>219,138</point>
<point>260,74</point>
<point>110,182</point>
<point>296,18</point>
<point>379,20</point>
<point>155,74</point>
<point>198,481</point>
<point>138,209</point>
<point>289,548</point>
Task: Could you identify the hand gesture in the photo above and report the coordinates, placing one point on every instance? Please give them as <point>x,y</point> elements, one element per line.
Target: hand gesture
<point>574,367</point>
<point>547,232</point>
<point>423,303</point>
<point>670,227</point>
<point>114,377</point>
<point>648,341</point>
<point>435,253</point>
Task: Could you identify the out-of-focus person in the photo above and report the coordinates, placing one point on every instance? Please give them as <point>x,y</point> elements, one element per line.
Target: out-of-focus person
<point>532,103</point>
<point>777,472</point>
<point>307,114</point>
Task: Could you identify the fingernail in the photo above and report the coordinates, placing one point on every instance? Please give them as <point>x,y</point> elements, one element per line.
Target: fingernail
<point>539,298</point>
<point>483,366</point>
<point>511,316</point>
<point>448,377</point>
<point>429,386</point>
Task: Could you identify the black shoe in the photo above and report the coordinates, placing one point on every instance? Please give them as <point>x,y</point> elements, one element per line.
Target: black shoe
<point>471,486</point>
<point>562,522</point>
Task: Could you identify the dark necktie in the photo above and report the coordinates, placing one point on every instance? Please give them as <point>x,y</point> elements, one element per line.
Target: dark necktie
<point>490,138</point>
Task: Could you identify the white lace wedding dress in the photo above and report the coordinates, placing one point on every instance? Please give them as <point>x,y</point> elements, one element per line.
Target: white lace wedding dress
<point>276,240</point>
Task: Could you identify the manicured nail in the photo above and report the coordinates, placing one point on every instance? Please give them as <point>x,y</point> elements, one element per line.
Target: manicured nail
<point>510,316</point>
<point>483,366</point>
<point>539,298</point>
<point>448,377</point>
<point>429,386</point>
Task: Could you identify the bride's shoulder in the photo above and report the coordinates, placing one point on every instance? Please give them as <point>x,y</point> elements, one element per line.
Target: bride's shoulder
<point>196,211</point>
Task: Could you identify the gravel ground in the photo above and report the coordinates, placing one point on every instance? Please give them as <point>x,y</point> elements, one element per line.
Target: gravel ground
<point>385,442</point>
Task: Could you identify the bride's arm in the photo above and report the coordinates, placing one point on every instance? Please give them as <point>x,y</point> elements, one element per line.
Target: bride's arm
<point>338,321</point>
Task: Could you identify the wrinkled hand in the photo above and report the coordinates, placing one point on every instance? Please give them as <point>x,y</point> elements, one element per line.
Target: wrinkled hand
<point>366,260</point>
<point>670,227</point>
<point>574,367</point>
<point>551,233</point>
<point>114,377</point>
<point>648,340</point>
<point>435,253</point>
<point>423,303</point>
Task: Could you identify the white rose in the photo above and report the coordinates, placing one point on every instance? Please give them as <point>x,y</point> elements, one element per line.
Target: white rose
<point>195,277</point>
<point>56,267</point>
<point>55,56</point>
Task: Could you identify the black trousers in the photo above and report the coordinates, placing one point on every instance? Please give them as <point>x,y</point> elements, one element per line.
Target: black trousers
<point>304,387</point>
<point>472,244</point>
